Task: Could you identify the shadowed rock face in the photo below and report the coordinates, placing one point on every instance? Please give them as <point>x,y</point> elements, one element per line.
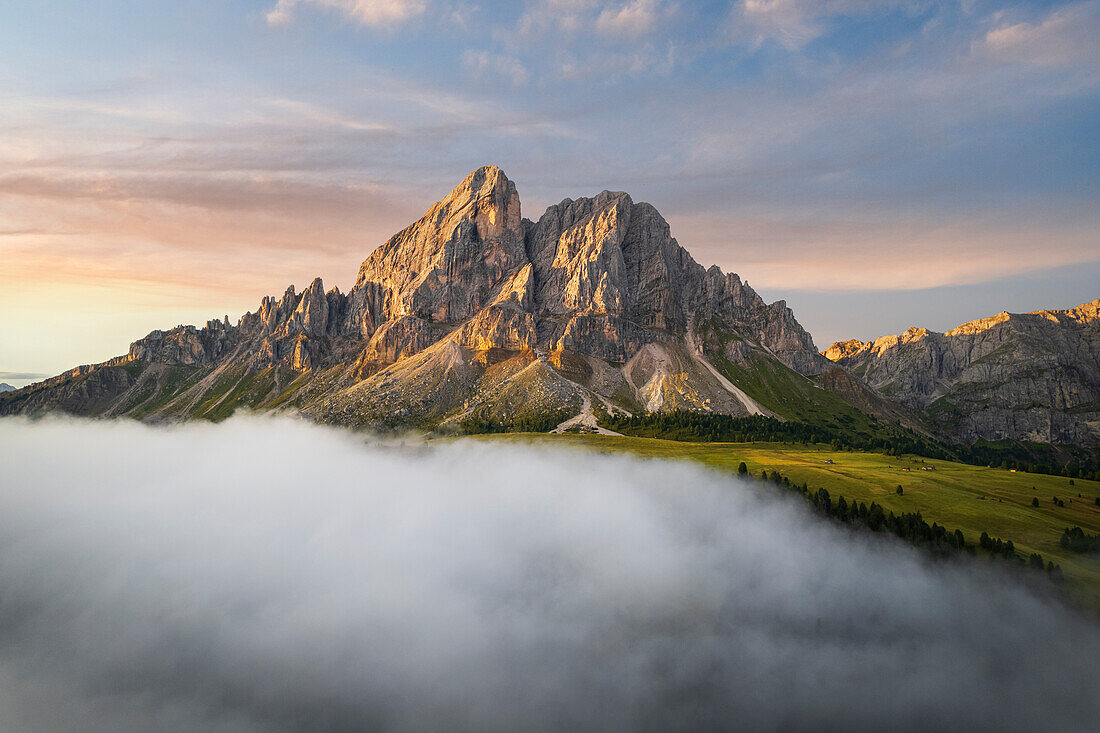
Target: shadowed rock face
<point>474,310</point>
<point>1033,376</point>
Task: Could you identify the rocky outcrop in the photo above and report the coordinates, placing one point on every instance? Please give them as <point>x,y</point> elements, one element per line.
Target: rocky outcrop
<point>855,392</point>
<point>473,310</point>
<point>1032,376</point>
<point>448,265</point>
<point>843,349</point>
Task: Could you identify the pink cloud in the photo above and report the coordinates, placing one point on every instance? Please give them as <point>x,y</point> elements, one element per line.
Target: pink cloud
<point>364,12</point>
<point>1066,37</point>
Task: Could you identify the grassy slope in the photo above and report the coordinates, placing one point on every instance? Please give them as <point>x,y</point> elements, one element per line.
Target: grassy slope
<point>795,397</point>
<point>951,495</point>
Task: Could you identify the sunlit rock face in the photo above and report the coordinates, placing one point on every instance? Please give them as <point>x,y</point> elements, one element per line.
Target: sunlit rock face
<point>1032,376</point>
<point>473,310</point>
<point>448,265</point>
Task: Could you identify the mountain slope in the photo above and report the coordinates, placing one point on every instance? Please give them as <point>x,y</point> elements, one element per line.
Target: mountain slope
<point>473,314</point>
<point>1032,376</point>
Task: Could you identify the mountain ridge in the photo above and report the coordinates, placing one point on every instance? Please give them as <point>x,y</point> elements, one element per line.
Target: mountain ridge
<point>475,312</point>
<point>1024,376</point>
<point>474,315</point>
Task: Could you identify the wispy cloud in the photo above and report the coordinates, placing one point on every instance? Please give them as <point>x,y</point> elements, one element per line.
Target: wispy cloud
<point>364,12</point>
<point>314,115</point>
<point>567,16</point>
<point>486,65</point>
<point>853,255</point>
<point>579,41</point>
<point>616,20</point>
<point>794,23</point>
<point>1066,37</point>
<point>611,65</point>
<point>631,19</point>
<point>22,375</point>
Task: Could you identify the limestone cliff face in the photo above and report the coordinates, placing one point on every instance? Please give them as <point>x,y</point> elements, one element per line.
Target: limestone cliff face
<point>473,310</point>
<point>447,266</point>
<point>610,277</point>
<point>1033,376</point>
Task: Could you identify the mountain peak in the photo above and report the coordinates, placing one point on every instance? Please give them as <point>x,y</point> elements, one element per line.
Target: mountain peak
<point>487,172</point>
<point>487,198</point>
<point>979,325</point>
<point>445,266</point>
<point>843,349</point>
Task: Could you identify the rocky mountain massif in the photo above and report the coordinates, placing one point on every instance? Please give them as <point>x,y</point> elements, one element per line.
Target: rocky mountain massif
<point>474,315</point>
<point>1033,376</point>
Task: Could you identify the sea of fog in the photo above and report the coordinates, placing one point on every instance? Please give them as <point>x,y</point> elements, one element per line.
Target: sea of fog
<point>270,575</point>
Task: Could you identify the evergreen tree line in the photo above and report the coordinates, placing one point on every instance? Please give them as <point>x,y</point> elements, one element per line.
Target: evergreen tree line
<point>1076,539</point>
<point>997,546</point>
<point>709,427</point>
<point>1030,458</point>
<point>909,526</point>
<point>532,423</point>
<point>1004,548</point>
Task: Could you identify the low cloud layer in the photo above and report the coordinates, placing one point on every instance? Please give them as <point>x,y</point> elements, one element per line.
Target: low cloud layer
<point>268,575</point>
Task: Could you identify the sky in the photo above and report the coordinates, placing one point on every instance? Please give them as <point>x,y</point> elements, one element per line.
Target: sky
<point>877,165</point>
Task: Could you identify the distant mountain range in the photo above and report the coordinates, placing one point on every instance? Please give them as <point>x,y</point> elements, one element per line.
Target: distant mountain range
<point>5,387</point>
<point>1032,376</point>
<point>475,316</point>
